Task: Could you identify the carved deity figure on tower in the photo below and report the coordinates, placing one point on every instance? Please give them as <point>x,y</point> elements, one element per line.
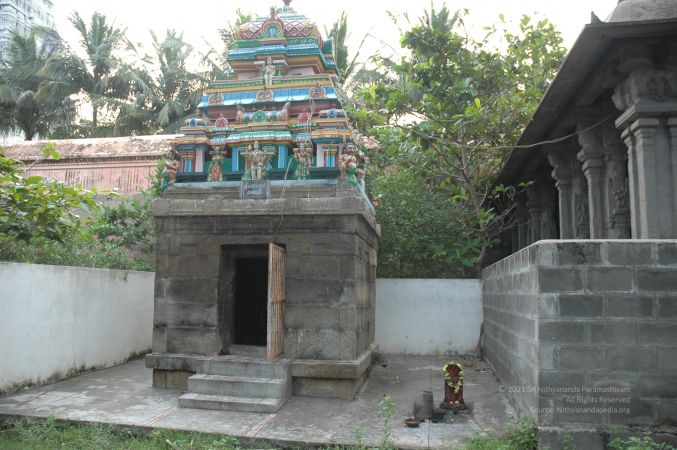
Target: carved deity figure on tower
<point>215,170</point>
<point>257,160</point>
<point>348,164</point>
<point>268,73</point>
<point>171,168</point>
<point>304,159</point>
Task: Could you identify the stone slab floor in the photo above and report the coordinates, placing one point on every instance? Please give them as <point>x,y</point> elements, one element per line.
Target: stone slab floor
<point>123,395</point>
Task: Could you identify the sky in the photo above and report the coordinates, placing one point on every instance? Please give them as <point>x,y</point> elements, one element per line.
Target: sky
<point>200,21</point>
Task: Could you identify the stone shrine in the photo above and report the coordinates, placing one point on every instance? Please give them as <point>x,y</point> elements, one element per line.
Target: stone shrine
<point>266,240</point>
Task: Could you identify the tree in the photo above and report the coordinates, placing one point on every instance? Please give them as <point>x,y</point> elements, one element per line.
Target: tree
<point>420,237</point>
<point>217,61</point>
<point>101,74</point>
<point>20,106</point>
<point>169,93</point>
<point>339,32</point>
<point>462,103</point>
<point>33,208</point>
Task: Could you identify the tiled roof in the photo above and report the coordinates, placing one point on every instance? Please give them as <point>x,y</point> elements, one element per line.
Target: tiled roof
<point>117,147</point>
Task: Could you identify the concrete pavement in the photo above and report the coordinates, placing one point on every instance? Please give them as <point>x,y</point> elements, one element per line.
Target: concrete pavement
<point>123,396</point>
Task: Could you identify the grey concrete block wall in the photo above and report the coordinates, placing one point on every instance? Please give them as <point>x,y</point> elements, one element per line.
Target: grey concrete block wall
<point>605,323</point>
<point>510,314</point>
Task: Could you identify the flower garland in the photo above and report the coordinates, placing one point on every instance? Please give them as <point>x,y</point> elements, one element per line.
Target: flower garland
<point>456,386</point>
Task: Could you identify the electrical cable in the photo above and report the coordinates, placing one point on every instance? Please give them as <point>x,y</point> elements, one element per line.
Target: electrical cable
<point>527,146</point>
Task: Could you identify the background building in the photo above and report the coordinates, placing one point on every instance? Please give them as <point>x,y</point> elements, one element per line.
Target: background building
<point>22,16</point>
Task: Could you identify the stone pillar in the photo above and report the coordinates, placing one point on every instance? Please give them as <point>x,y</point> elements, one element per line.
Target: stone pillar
<point>580,201</point>
<point>541,208</point>
<point>522,212</point>
<point>672,125</point>
<point>573,191</point>
<point>534,204</point>
<point>591,157</point>
<point>563,172</point>
<point>648,101</point>
<point>616,183</point>
<point>635,226</point>
<point>548,222</point>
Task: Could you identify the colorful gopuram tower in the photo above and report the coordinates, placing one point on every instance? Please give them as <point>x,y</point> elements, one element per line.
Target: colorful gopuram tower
<point>278,116</point>
<point>266,243</point>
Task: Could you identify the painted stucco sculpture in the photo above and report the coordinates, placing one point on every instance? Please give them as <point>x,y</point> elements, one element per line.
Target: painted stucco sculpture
<point>283,93</point>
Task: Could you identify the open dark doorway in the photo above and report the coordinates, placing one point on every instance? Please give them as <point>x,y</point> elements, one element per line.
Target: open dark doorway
<point>251,299</point>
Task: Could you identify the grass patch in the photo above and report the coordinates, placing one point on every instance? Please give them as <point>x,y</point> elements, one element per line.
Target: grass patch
<point>636,443</point>
<point>79,253</point>
<point>49,434</point>
<point>519,435</point>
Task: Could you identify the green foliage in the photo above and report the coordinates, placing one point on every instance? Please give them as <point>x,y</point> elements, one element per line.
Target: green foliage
<point>72,130</point>
<point>38,223</point>
<point>636,443</point>
<point>49,434</point>
<point>33,208</point>
<point>519,435</point>
<point>568,442</point>
<point>76,252</point>
<point>169,92</point>
<point>217,61</point>
<point>423,232</point>
<point>339,32</point>
<point>461,103</point>
<point>102,75</point>
<point>358,433</point>
<point>21,108</point>
<point>386,407</point>
<point>159,180</point>
<point>128,224</point>
<point>228,34</point>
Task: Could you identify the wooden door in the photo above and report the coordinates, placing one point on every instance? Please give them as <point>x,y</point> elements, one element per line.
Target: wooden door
<point>275,340</point>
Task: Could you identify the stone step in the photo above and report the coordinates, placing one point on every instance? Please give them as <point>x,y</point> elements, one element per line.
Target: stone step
<point>238,386</point>
<point>230,403</point>
<point>244,366</point>
<point>247,350</point>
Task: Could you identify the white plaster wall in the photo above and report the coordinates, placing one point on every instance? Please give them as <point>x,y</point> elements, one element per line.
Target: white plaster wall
<point>428,316</point>
<point>56,319</point>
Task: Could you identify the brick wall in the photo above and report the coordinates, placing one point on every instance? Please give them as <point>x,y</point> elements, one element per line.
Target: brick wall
<point>605,315</point>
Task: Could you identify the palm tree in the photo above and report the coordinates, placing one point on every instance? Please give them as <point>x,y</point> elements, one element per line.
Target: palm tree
<point>339,31</point>
<point>101,75</point>
<point>21,108</point>
<point>217,61</point>
<point>168,94</point>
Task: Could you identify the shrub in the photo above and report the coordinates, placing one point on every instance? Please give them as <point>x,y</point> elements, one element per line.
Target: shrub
<point>80,253</point>
<point>421,236</point>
